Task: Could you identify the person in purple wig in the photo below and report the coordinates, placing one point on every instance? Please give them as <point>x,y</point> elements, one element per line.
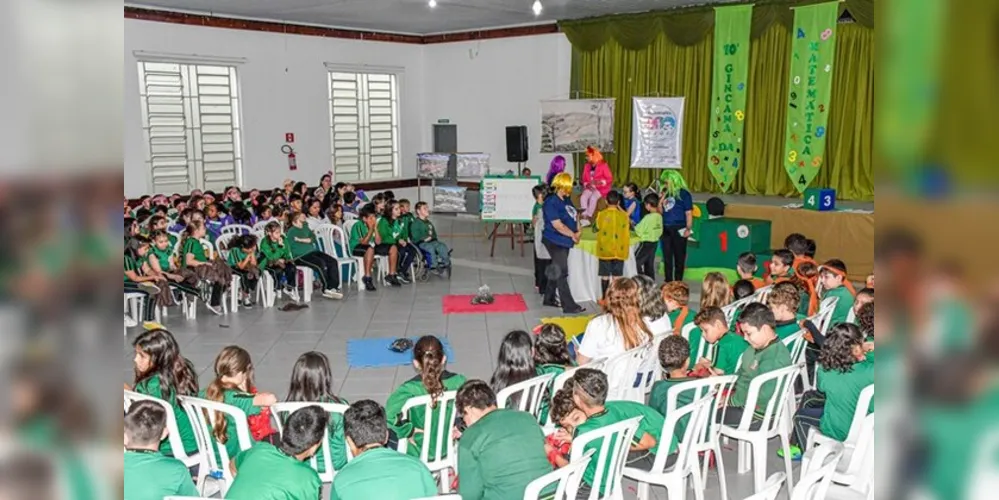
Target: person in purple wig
<point>557,167</point>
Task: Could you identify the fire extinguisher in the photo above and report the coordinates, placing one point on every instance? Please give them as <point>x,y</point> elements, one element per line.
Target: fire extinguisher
<point>292,163</point>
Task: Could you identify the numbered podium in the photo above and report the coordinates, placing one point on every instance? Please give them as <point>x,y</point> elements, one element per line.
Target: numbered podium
<point>820,199</point>
<point>721,241</point>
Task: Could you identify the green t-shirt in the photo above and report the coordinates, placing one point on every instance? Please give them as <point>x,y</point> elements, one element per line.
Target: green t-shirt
<point>843,306</point>
<point>405,221</point>
<point>390,232</point>
<point>192,246</point>
<point>842,391</point>
<point>421,229</point>
<point>162,256</point>
<point>499,455</point>
<point>954,433</point>
<point>243,401</point>
<point>151,387</point>
<point>299,248</point>
<point>236,255</point>
<point>729,350</point>
<point>659,398</point>
<point>404,425</point>
<point>337,440</point>
<point>755,363</point>
<point>785,329</point>
<point>614,412</point>
<point>357,233</point>
<point>650,228</point>
<point>132,264</point>
<point>266,473</point>
<point>544,370</point>
<point>675,314</point>
<point>383,474</point>
<point>273,252</point>
<point>150,475</point>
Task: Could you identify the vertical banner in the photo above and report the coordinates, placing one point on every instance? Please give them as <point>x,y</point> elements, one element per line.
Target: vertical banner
<point>657,132</point>
<point>813,47</point>
<point>728,92</point>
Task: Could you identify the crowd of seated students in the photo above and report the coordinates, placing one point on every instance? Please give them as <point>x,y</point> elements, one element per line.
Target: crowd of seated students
<point>164,254</point>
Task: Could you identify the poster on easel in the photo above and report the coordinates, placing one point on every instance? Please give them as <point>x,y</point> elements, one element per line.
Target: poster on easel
<point>657,132</point>
<point>432,165</point>
<point>507,199</point>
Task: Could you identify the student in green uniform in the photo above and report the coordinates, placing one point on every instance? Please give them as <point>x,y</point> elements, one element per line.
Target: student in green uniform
<point>541,257</point>
<point>430,361</point>
<point>765,353</point>
<point>364,240</point>
<point>243,261</point>
<point>136,252</point>
<point>515,362</point>
<point>784,300</point>
<point>844,371</point>
<point>233,385</point>
<point>302,243</point>
<point>390,229</point>
<point>711,326</point>
<point>781,267</point>
<point>312,382</point>
<point>551,355</point>
<point>197,267</point>
<point>268,472</point>
<point>161,372</point>
<point>500,451</point>
<point>425,235</point>
<point>406,217</point>
<point>676,295</point>
<point>377,472</point>
<point>648,231</point>
<point>590,396</point>
<point>148,473</point>
<point>832,277</point>
<point>275,258</point>
<point>674,358</point>
<point>162,263</point>
<point>864,296</point>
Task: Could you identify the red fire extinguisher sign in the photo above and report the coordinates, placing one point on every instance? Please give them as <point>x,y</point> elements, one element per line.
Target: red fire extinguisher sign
<point>289,137</point>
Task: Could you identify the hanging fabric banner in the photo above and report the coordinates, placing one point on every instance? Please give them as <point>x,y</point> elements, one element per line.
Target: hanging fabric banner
<point>657,132</point>
<point>813,48</point>
<point>728,92</point>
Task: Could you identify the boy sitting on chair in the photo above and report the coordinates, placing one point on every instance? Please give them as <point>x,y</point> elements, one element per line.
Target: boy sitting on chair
<point>424,234</point>
<point>746,267</point>
<point>832,277</point>
<point>711,326</point>
<point>766,353</point>
<point>148,473</point>
<point>674,357</point>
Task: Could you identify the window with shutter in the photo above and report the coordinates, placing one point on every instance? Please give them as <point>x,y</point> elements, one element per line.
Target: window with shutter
<point>364,125</point>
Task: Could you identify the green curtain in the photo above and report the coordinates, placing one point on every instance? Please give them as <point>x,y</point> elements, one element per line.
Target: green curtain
<point>666,68</point>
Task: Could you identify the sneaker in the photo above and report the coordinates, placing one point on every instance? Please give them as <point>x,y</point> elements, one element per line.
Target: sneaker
<point>149,288</point>
<point>584,222</point>
<point>393,280</point>
<point>369,285</point>
<point>129,322</point>
<point>795,453</point>
<point>333,293</point>
<point>247,302</point>
<point>403,278</point>
<point>577,310</point>
<point>217,310</point>
<point>291,293</point>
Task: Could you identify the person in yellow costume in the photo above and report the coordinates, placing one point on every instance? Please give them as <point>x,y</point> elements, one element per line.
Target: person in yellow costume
<point>613,233</point>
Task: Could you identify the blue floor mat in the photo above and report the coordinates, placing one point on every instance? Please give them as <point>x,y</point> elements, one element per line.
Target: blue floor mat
<point>375,353</point>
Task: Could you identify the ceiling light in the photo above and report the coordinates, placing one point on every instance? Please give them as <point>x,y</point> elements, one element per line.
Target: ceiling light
<point>432,4</point>
<point>536,7</point>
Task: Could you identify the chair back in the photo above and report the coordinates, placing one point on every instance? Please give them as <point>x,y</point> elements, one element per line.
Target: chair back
<point>627,374</point>
<point>559,381</point>
<point>796,346</point>
<point>348,224</point>
<point>859,414</point>
<point>283,410</point>
<point>815,480</point>
<point>823,319</point>
<point>763,294</point>
<point>719,387</point>
<point>773,406</point>
<point>734,308</point>
<point>349,216</point>
<point>213,452</point>
<point>526,395</point>
<point>442,419</point>
<point>209,248</point>
<point>176,444</point>
<point>333,240</point>
<point>771,489</point>
<point>260,226</point>
<point>694,436</point>
<point>612,454</point>
<point>222,243</point>
<point>236,229</point>
<point>686,330</point>
<point>984,474</point>
<point>566,481</point>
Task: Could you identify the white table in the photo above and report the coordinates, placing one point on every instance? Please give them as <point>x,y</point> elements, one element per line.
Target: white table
<point>584,282</point>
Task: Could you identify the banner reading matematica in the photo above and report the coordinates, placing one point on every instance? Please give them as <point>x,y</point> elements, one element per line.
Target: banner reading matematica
<point>728,95</point>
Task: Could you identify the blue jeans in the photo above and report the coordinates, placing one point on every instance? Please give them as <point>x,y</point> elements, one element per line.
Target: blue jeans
<point>813,405</point>
<point>438,253</point>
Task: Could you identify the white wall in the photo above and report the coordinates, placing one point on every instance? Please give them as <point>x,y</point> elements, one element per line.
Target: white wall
<point>283,89</point>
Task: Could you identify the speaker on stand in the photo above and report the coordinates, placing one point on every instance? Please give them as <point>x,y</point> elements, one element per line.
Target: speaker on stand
<point>516,145</point>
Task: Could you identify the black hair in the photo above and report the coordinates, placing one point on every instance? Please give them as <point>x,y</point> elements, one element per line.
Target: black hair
<point>651,199</point>
<point>516,361</point>
<point>387,210</point>
<point>132,248</point>
<point>176,374</point>
<point>865,319</point>
<point>550,347</point>
<point>144,423</point>
<point>240,214</point>
<point>378,198</point>
<point>810,248</point>
<point>305,428</point>
<point>210,193</point>
<point>160,211</point>
<point>756,315</point>
<point>338,186</point>
<point>539,190</point>
<point>298,187</point>
<point>591,385</point>
<point>142,214</point>
<point>364,423</point>
<point>349,197</point>
<point>155,220</point>
<point>747,262</point>
<point>419,205</point>
<point>474,394</point>
<point>866,291</point>
<point>312,380</point>
<point>634,189</point>
<point>837,264</point>
<point>613,198</point>
<point>261,199</point>
<point>325,177</point>
<point>743,288</point>
<point>784,256</point>
<point>796,243</point>
<point>367,211</point>
<point>837,350</point>
<point>178,201</point>
<point>144,198</point>
<point>674,350</point>
<point>243,242</point>
<point>263,207</point>
<point>294,196</point>
<point>389,195</point>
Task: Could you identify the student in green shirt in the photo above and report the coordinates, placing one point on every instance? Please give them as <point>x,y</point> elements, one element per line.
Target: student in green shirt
<point>390,228</point>
<point>832,277</point>
<point>676,295</point>
<point>243,261</point>
<point>268,472</point>
<point>312,382</point>
<point>674,358</point>
<point>377,472</point>
<point>712,328</point>
<point>425,235</point>
<point>196,266</point>
<point>765,353</point>
<point>302,243</point>
<point>781,267</point>
<point>161,372</point>
<point>590,396</point>
<point>136,253</point>
<point>362,242</point>
<point>864,296</point>
<point>430,361</point>
<point>148,473</point>
<point>648,230</point>
<point>500,451</point>
<point>551,355</point>
<point>275,258</point>
<point>784,300</point>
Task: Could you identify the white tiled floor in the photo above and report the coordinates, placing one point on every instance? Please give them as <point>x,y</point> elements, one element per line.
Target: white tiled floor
<point>275,338</point>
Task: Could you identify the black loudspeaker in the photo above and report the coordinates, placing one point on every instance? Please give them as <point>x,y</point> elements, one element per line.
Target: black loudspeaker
<point>516,144</point>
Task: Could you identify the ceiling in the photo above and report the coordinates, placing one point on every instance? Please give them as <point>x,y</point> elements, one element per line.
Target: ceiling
<point>414,16</point>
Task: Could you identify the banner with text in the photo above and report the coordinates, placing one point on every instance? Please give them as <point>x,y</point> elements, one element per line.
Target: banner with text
<point>728,94</point>
<point>657,132</point>
<point>813,48</point>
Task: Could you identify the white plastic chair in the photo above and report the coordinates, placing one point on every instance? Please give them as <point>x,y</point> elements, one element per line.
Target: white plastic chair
<point>528,393</point>
<point>334,243</point>
<point>260,226</point>
<point>675,479</point>
<point>202,415</point>
<point>770,490</point>
<point>229,297</point>
<point>381,261</point>
<point>851,317</point>
<point>984,476</point>
<point>775,423</point>
<point>567,480</point>
<point>282,410</point>
<point>441,465</point>
<point>817,474</point>
<point>626,374</point>
<point>823,321</point>
<point>222,247</point>
<point>858,443</point>
<point>559,382</point>
<point>732,309</point>
<point>615,441</point>
<point>236,229</point>
<point>763,294</point>
<point>176,444</point>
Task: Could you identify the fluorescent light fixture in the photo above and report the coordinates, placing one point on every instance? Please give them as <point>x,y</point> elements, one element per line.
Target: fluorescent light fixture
<point>537,7</point>
<point>432,3</point>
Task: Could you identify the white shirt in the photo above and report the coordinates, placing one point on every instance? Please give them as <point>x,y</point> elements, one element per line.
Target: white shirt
<point>602,338</point>
<point>660,326</point>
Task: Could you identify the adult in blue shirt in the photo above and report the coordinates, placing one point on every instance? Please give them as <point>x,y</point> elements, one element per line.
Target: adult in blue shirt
<point>560,234</point>
<point>676,205</point>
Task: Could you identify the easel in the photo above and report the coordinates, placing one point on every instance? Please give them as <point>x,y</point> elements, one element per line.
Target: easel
<point>515,235</point>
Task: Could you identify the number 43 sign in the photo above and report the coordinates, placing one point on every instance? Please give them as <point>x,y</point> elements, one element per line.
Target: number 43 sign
<point>820,199</point>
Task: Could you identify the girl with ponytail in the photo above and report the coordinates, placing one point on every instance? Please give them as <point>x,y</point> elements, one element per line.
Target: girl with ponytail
<point>161,372</point>
<point>621,327</point>
<point>233,385</point>
<point>432,379</point>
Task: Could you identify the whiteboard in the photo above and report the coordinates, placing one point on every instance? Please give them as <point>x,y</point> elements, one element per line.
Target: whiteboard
<point>507,199</point>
